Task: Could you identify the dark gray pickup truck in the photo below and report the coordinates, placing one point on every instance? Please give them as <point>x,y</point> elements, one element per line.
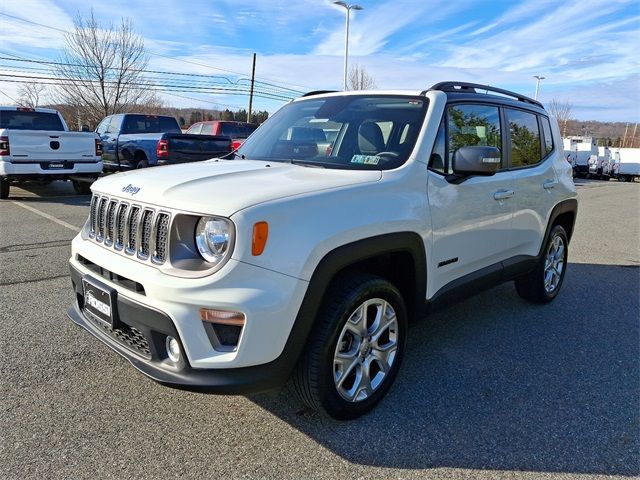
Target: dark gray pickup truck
<point>133,140</point>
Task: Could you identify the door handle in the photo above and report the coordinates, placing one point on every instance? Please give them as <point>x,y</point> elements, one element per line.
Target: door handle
<point>549,184</point>
<point>503,194</point>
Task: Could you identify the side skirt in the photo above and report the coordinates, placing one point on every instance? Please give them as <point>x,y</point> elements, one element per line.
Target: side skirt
<point>481,280</point>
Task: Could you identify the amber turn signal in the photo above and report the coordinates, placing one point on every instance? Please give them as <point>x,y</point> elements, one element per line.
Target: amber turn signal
<point>259,240</point>
<point>222,317</point>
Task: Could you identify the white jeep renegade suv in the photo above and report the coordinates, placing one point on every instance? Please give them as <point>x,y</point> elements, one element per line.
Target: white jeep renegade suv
<point>306,254</point>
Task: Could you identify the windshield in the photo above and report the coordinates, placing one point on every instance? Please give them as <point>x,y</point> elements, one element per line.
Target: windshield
<point>372,132</point>
<point>30,120</point>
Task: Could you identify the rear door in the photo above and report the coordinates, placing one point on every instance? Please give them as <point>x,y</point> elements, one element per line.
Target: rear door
<point>532,153</point>
<point>471,219</point>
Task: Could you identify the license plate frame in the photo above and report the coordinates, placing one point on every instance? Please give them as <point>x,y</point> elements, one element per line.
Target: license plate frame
<point>99,301</point>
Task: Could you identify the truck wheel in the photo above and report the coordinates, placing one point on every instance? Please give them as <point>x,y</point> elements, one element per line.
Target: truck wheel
<point>81,188</point>
<point>4,188</point>
<point>142,164</point>
<point>543,284</point>
<point>355,350</point>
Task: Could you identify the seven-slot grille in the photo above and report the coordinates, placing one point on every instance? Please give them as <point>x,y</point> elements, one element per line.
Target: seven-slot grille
<point>135,229</point>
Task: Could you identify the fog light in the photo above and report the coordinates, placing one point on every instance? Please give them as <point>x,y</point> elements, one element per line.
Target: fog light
<point>173,349</point>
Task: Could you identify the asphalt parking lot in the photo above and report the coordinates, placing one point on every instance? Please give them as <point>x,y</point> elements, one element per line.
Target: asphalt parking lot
<point>490,388</point>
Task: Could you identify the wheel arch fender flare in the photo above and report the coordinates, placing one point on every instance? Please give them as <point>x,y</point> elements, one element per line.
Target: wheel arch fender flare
<point>562,208</point>
<point>338,260</point>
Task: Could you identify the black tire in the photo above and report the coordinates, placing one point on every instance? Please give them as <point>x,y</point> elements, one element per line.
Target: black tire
<point>4,188</point>
<point>314,375</point>
<point>532,287</point>
<point>142,164</point>
<point>81,188</point>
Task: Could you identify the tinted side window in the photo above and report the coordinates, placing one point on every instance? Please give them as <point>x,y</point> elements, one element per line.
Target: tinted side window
<point>473,125</point>
<point>207,129</point>
<point>104,125</point>
<point>114,124</point>
<point>548,138</point>
<point>195,129</point>
<point>525,138</point>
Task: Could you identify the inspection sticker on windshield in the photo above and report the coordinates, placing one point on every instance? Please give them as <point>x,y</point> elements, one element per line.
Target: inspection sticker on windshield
<point>366,159</point>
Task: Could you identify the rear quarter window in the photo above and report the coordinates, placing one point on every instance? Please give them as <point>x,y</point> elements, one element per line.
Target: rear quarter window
<point>548,137</point>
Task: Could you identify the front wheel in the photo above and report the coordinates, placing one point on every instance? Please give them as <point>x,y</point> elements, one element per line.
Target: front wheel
<point>543,284</point>
<point>355,350</point>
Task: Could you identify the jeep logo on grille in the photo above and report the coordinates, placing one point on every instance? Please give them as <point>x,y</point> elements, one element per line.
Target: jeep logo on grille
<point>131,189</point>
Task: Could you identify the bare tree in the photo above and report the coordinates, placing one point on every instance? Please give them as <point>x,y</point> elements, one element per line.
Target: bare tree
<point>102,69</point>
<point>562,112</point>
<point>359,79</point>
<point>30,94</point>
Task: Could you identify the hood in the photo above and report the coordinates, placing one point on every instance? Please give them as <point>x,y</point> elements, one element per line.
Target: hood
<point>223,187</point>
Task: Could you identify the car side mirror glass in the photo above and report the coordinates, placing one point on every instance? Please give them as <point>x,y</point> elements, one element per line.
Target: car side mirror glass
<point>476,160</point>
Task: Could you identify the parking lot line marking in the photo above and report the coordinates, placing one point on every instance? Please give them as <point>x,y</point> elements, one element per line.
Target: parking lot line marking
<point>47,216</point>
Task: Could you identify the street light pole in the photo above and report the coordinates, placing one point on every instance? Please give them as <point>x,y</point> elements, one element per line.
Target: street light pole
<point>538,78</point>
<point>348,9</point>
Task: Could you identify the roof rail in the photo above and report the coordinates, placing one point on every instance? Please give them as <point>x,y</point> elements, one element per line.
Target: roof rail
<point>473,87</point>
<point>318,92</point>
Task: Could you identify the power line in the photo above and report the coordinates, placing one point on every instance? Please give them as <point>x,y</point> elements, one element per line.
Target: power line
<point>9,97</point>
<point>154,89</point>
<point>219,90</point>
<point>23,69</point>
<point>162,72</point>
<point>155,54</point>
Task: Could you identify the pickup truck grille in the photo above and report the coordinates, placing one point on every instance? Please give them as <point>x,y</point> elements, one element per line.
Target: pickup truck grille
<point>135,230</point>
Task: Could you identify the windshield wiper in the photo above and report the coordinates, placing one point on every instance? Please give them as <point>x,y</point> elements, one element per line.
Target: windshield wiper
<point>304,163</point>
<point>293,161</point>
<point>229,156</point>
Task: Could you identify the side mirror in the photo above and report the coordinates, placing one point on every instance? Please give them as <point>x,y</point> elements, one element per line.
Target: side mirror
<point>476,160</point>
<point>85,128</point>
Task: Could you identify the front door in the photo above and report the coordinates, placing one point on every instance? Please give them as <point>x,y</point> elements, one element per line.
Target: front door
<point>471,219</point>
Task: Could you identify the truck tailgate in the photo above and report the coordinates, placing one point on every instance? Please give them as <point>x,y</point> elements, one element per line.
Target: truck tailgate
<point>189,147</point>
<point>38,145</point>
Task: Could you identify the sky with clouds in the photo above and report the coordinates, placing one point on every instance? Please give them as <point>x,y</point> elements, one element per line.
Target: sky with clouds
<point>588,50</point>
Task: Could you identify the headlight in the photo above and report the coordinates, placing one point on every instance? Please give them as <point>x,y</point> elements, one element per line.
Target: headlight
<point>214,239</point>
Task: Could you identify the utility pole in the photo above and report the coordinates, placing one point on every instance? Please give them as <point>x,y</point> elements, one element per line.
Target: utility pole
<point>624,139</point>
<point>633,139</point>
<point>253,79</point>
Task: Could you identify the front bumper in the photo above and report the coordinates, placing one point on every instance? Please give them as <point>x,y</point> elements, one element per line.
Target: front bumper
<point>149,355</point>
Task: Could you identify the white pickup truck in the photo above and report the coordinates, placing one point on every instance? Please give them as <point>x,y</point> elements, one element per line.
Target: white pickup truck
<point>36,145</point>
